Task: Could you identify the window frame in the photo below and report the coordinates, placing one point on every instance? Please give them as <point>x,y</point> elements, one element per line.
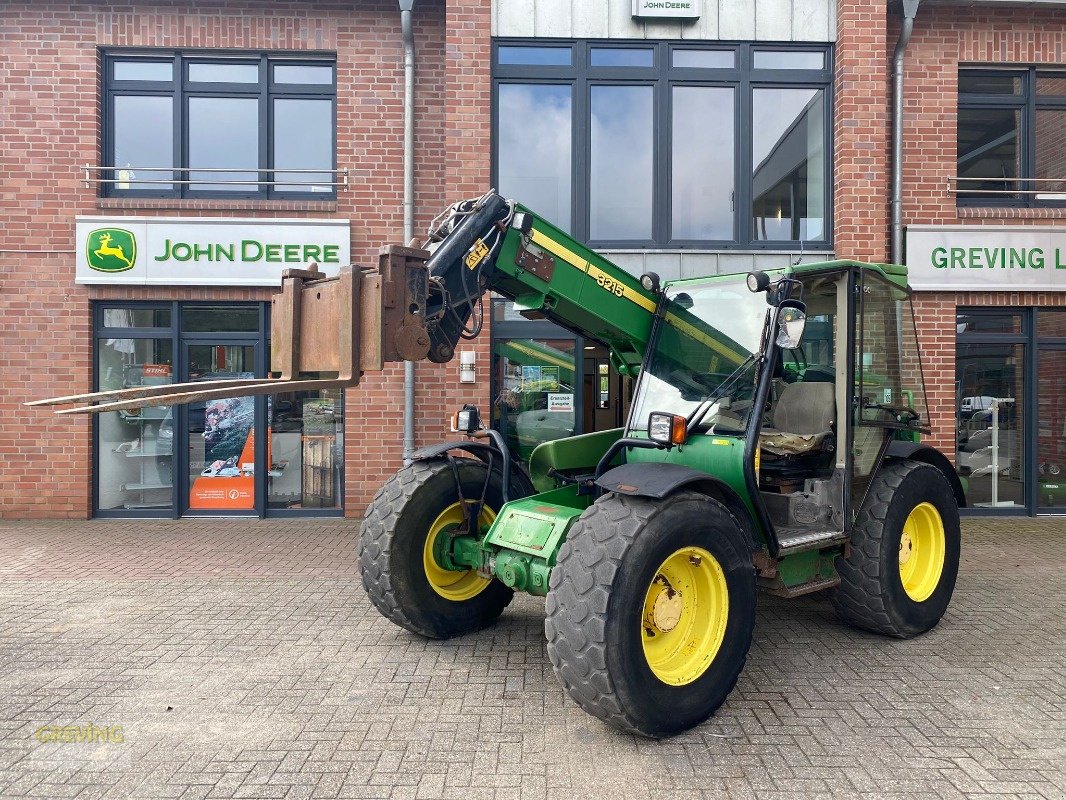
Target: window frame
<point>1027,103</point>
<point>663,76</point>
<point>181,90</point>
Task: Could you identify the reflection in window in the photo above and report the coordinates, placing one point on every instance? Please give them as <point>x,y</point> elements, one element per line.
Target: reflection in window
<point>216,125</point>
<point>788,157</point>
<point>303,137</point>
<point>306,450</point>
<point>533,148</point>
<point>990,444</point>
<point>223,73</point>
<point>704,59</point>
<point>303,73</point>
<point>620,195</point>
<point>135,446</point>
<point>702,166</point>
<point>224,132</point>
<point>534,56</point>
<point>988,151</point>
<point>215,319</point>
<point>136,317</point>
<point>788,59</point>
<point>143,138</point>
<point>535,381</point>
<point>138,70</point>
<point>621,57</point>
<point>1050,166</point>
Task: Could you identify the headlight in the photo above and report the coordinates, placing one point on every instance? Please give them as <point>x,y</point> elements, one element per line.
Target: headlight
<point>467,420</point>
<point>668,429</point>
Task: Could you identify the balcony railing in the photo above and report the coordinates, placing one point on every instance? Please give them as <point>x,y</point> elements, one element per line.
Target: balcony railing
<point>132,177</point>
<point>966,186</point>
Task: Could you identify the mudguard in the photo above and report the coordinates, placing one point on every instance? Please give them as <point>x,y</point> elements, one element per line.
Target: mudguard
<point>915,451</point>
<point>658,480</point>
<point>521,486</point>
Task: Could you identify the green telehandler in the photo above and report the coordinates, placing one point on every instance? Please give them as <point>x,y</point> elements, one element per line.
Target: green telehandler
<point>774,442</point>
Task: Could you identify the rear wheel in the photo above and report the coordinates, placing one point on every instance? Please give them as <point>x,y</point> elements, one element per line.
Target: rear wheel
<point>651,610</point>
<point>900,571</point>
<point>404,535</point>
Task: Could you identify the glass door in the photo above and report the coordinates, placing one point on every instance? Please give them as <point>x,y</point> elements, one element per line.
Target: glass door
<point>535,393</point>
<point>220,435</point>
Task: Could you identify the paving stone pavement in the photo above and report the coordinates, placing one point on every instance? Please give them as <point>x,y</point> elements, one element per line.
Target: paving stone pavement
<point>242,659</point>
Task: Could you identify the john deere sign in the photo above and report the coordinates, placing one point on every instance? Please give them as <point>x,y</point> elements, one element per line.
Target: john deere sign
<point>205,252</point>
<point>966,258</point>
<point>111,250</point>
<point>666,9</point>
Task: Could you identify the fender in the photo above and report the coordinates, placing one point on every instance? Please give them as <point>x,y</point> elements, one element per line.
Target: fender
<point>658,480</point>
<point>521,486</point>
<point>929,455</point>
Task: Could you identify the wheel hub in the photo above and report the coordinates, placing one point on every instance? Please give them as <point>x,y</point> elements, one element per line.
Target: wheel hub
<point>666,611</point>
<point>906,547</point>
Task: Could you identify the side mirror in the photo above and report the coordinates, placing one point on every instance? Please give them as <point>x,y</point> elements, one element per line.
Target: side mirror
<point>667,429</point>
<point>791,320</point>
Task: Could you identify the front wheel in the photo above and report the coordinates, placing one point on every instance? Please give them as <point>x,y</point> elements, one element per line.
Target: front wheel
<point>651,610</point>
<point>404,531</point>
<point>899,573</point>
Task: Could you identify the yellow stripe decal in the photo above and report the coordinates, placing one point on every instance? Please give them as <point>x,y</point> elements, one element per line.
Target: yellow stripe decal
<point>695,333</point>
<point>594,272</point>
<point>542,356</point>
<point>590,269</point>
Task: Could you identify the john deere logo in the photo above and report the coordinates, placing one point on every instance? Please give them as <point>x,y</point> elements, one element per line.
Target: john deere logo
<point>111,250</point>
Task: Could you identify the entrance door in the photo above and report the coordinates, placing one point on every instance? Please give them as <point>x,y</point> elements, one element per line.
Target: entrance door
<point>220,435</point>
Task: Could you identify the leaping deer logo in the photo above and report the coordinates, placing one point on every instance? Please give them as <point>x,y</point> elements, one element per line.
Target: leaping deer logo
<point>105,249</point>
<point>111,250</point>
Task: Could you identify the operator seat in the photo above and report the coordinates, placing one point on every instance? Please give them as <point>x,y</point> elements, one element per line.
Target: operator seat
<point>803,418</point>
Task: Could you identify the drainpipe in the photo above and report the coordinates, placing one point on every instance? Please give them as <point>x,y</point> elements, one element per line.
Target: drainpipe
<point>910,9</point>
<point>406,7</point>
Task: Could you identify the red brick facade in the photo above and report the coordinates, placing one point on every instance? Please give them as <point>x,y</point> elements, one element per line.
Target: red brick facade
<point>50,125</point>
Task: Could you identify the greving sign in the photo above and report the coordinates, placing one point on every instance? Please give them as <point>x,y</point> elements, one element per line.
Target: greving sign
<point>965,258</point>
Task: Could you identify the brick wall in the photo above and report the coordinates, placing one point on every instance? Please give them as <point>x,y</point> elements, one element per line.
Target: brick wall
<point>943,38</point>
<point>860,123</point>
<point>49,124</point>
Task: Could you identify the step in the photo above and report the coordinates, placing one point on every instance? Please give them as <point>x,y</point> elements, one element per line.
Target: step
<point>800,540</point>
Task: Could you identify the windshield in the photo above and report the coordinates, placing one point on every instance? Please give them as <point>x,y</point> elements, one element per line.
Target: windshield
<point>705,354</point>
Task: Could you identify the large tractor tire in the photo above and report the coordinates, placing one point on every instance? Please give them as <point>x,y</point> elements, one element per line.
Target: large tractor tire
<point>900,570</point>
<point>650,611</point>
<point>402,575</point>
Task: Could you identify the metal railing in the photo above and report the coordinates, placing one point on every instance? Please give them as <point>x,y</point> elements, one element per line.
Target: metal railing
<point>956,185</point>
<point>127,178</point>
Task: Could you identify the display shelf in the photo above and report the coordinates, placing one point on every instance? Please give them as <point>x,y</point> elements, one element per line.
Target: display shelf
<point>146,451</point>
<point>145,487</point>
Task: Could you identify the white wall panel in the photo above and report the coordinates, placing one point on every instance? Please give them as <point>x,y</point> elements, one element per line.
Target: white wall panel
<point>514,17</point>
<point>590,19</point>
<point>736,19</point>
<point>773,20</point>
<point>706,27</point>
<point>621,24</point>
<point>552,18</point>
<point>742,20</point>
<point>810,21</point>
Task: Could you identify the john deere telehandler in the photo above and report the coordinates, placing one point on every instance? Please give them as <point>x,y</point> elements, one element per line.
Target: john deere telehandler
<point>773,443</point>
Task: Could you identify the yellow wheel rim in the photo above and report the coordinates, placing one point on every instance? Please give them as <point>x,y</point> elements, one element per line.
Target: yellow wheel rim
<point>685,613</point>
<point>921,552</point>
<point>453,584</point>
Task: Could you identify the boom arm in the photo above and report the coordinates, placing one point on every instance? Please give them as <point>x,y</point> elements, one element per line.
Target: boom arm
<point>420,303</point>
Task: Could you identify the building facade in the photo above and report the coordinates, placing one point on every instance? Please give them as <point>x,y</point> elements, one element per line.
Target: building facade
<point>163,164</point>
